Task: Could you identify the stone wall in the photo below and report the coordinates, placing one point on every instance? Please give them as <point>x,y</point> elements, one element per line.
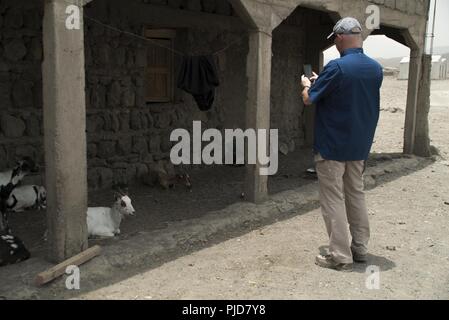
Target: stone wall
<point>221,7</point>
<point>126,134</point>
<point>286,103</point>
<point>20,81</point>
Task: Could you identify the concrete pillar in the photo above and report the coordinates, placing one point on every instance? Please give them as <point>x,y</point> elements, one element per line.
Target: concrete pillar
<point>258,105</point>
<point>422,139</point>
<point>412,95</point>
<point>64,132</point>
<point>261,18</point>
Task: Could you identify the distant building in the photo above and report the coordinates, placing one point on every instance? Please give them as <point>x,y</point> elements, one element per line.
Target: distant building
<point>391,72</point>
<point>439,68</point>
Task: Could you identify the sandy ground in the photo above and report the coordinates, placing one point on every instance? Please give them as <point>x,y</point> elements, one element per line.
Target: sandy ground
<point>410,238</point>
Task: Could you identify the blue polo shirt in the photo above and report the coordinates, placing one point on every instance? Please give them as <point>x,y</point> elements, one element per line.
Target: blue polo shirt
<point>347,98</point>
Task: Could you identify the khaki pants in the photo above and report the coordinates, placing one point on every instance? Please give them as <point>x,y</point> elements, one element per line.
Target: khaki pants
<point>343,207</point>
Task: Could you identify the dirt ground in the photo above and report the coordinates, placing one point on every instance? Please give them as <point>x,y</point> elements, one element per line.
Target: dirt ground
<point>410,239</point>
<point>408,215</point>
<point>214,188</point>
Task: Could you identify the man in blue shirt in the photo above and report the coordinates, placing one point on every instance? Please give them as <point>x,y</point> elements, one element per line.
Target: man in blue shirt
<point>347,99</point>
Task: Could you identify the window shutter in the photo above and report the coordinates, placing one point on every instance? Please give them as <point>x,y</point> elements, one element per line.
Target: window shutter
<point>159,73</point>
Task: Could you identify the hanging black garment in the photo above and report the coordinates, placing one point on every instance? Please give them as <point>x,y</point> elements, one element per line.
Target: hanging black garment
<point>198,76</point>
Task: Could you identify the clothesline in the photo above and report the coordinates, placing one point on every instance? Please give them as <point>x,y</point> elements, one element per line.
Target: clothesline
<point>165,47</point>
<point>133,35</point>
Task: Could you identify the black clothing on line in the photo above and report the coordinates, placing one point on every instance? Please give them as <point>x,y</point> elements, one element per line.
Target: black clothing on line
<point>198,76</point>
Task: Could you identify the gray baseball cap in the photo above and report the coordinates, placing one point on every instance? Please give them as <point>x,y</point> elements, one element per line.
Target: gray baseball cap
<point>346,26</point>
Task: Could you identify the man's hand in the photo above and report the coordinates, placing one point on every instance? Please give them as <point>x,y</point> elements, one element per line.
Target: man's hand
<point>306,83</point>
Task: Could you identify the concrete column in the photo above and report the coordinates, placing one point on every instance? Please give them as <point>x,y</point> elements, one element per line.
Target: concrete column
<point>64,132</point>
<point>261,17</point>
<point>412,95</point>
<point>258,105</point>
<point>422,138</point>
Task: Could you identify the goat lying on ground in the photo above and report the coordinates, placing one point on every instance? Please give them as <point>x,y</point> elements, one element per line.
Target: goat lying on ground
<point>27,197</point>
<point>166,176</point>
<point>15,175</point>
<point>105,222</point>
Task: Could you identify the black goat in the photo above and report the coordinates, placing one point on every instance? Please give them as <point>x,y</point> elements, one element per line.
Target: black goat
<point>15,175</point>
<point>12,249</point>
<point>5,192</point>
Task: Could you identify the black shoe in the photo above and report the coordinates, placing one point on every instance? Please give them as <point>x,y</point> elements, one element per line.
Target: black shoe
<point>359,258</point>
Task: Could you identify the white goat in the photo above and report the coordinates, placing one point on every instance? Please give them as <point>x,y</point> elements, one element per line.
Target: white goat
<point>105,222</point>
<point>26,197</point>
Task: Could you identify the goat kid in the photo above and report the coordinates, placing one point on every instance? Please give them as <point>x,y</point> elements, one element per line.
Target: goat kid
<point>105,222</point>
<point>165,175</point>
<point>27,197</point>
<point>15,175</point>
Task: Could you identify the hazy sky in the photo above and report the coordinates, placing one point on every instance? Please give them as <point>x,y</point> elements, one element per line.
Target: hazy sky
<point>383,47</point>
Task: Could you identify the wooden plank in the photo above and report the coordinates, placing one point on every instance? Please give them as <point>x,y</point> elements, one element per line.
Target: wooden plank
<point>58,270</point>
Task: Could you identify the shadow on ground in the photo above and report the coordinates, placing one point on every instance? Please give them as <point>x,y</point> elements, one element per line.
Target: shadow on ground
<point>384,264</point>
<point>213,190</point>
